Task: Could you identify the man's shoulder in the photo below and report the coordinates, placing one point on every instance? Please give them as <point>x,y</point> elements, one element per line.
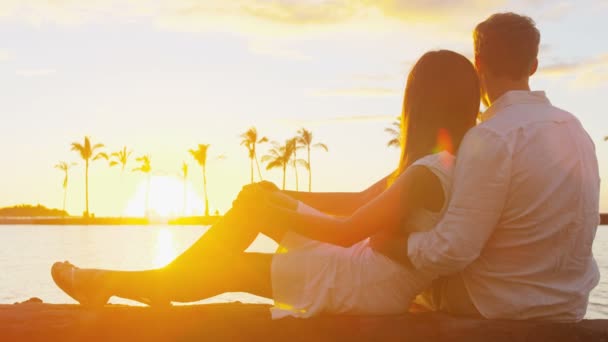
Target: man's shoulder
<point>518,116</point>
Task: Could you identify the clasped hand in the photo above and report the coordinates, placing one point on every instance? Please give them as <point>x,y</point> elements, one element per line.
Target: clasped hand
<point>261,199</point>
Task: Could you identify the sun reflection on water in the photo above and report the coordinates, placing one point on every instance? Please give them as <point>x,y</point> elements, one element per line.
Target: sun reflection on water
<point>165,248</point>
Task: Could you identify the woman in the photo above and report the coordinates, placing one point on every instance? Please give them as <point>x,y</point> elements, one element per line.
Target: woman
<point>352,263</point>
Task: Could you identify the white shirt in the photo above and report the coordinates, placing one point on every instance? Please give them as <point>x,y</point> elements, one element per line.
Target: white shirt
<point>522,215</point>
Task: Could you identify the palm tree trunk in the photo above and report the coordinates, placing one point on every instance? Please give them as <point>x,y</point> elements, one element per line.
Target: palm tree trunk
<point>258,165</point>
<point>284,174</point>
<point>122,187</point>
<point>86,180</point>
<point>147,210</point>
<point>295,168</point>
<point>309,171</point>
<point>251,169</point>
<point>65,195</point>
<point>185,200</point>
<point>205,190</point>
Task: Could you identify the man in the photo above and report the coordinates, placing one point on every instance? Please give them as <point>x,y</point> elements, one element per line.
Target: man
<point>524,208</point>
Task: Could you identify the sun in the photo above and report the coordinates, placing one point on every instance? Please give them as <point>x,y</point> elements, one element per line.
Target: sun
<point>168,197</point>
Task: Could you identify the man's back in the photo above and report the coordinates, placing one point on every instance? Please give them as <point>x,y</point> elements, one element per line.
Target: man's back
<point>543,239</point>
<point>524,213</point>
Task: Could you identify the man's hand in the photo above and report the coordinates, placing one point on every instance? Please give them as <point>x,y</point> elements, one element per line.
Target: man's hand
<point>392,245</point>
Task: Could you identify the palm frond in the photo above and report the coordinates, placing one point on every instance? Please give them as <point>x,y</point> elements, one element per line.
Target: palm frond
<point>322,146</point>
<point>63,166</point>
<point>101,155</point>
<point>395,142</point>
<point>392,131</point>
<point>274,164</point>
<point>97,146</point>
<point>304,164</point>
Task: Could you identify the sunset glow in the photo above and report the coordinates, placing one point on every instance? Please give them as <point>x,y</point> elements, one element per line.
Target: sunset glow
<point>166,198</point>
<point>161,78</point>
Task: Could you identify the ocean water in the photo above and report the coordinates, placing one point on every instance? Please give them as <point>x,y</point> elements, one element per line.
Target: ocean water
<point>27,253</point>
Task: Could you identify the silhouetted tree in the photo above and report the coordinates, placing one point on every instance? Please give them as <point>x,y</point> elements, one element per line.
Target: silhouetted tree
<point>185,180</point>
<point>200,155</point>
<point>65,167</point>
<point>120,158</point>
<point>395,132</point>
<point>145,167</point>
<point>250,141</point>
<point>278,157</point>
<point>305,139</point>
<point>293,147</point>
<point>88,153</point>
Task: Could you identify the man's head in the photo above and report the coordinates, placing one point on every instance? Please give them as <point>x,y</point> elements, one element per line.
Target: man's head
<point>506,50</point>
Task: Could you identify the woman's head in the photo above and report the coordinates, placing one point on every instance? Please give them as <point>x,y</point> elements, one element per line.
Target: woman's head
<point>440,105</point>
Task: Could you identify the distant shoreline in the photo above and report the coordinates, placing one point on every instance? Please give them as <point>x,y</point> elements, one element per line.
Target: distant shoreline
<point>107,221</point>
<point>132,221</point>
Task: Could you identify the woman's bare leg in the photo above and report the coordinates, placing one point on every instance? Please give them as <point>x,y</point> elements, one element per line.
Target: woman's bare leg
<point>214,264</point>
<point>240,272</point>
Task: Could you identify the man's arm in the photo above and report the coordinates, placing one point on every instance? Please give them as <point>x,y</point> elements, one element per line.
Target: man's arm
<point>479,192</point>
<point>386,211</point>
<point>340,203</point>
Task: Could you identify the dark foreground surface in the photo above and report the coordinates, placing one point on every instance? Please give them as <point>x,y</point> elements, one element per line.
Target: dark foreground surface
<point>249,322</point>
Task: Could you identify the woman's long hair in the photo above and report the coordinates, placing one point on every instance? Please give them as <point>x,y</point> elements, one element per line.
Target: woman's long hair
<point>440,105</point>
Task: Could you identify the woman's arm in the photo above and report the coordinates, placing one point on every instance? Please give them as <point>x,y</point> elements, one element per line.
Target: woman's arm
<point>339,203</point>
<point>386,211</point>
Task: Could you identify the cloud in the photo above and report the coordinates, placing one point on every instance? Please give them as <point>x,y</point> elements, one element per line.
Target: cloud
<point>564,68</point>
<point>357,92</point>
<point>376,77</point>
<point>585,73</point>
<point>35,72</point>
<point>265,47</point>
<point>246,15</point>
<point>345,119</point>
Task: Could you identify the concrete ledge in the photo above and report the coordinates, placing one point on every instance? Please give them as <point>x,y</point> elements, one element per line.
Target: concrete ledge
<point>249,322</point>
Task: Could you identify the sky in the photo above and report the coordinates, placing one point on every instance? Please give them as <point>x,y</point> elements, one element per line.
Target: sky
<point>162,76</point>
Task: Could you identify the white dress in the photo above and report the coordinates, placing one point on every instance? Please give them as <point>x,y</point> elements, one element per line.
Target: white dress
<point>311,277</point>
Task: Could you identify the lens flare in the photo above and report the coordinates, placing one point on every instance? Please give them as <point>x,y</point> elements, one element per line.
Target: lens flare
<point>444,143</point>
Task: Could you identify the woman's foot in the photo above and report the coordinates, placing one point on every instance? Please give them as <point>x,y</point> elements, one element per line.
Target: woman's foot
<point>86,286</point>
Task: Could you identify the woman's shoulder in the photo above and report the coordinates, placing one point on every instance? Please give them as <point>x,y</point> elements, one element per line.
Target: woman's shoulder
<point>442,161</point>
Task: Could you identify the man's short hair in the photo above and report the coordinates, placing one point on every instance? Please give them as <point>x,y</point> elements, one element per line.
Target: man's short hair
<point>507,44</point>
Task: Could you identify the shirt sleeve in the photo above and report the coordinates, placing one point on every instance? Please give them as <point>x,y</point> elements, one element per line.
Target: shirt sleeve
<point>479,192</point>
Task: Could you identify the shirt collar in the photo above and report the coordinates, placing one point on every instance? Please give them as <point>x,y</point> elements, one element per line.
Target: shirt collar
<point>513,97</point>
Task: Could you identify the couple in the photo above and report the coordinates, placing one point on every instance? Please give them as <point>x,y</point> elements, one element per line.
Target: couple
<point>494,220</point>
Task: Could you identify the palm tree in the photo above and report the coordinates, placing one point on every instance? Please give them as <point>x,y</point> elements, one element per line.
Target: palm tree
<point>293,146</point>
<point>395,132</point>
<point>305,138</point>
<point>145,167</point>
<point>200,155</point>
<point>278,157</point>
<point>185,180</point>
<point>65,167</point>
<point>120,158</point>
<point>250,141</point>
<point>88,153</point>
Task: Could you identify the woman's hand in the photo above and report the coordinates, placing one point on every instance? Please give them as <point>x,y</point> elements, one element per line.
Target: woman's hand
<point>259,199</point>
